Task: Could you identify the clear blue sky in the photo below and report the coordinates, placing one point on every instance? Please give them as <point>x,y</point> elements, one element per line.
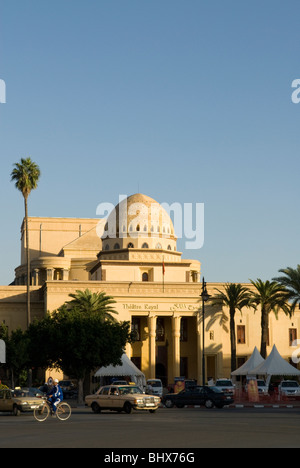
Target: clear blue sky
<point>185,101</point>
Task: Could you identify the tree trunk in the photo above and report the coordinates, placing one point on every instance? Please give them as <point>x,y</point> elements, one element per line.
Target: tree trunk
<point>80,391</point>
<point>264,331</point>
<point>28,282</point>
<point>28,263</point>
<point>233,340</point>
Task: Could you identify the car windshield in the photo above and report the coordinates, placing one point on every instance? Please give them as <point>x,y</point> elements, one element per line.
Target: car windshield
<point>215,389</point>
<point>27,392</point>
<point>154,384</point>
<point>261,383</point>
<point>224,383</point>
<point>129,390</point>
<point>290,384</point>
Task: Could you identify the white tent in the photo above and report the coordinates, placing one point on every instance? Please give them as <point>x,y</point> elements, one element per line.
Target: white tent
<point>254,361</point>
<point>127,369</point>
<point>274,365</point>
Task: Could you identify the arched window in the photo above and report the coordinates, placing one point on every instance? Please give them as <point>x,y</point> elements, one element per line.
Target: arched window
<point>107,247</point>
<point>145,246</point>
<point>158,246</point>
<point>145,277</point>
<point>138,228</point>
<point>169,247</point>
<point>117,247</point>
<point>130,245</point>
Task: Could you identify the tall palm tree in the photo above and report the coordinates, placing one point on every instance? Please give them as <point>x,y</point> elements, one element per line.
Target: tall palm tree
<point>26,175</point>
<point>271,297</point>
<point>291,281</point>
<point>88,302</point>
<point>235,297</point>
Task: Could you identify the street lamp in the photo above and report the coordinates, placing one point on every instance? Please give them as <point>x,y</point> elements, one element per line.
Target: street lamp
<point>205,297</point>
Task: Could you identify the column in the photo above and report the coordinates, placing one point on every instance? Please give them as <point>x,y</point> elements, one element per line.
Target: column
<point>66,275</point>
<point>152,346</point>
<point>176,332</point>
<point>199,355</point>
<point>36,274</point>
<point>50,274</point>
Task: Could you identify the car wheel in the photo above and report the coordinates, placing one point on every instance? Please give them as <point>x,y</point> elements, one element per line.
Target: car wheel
<point>169,404</point>
<point>96,408</point>
<point>179,405</point>
<point>128,408</point>
<point>209,404</point>
<point>16,411</point>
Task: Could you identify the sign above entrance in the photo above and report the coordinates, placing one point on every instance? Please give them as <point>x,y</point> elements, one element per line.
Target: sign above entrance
<point>163,307</point>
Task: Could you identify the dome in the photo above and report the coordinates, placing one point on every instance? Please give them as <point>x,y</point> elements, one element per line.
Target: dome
<point>139,222</point>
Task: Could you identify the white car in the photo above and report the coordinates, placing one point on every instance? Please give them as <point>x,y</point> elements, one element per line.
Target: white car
<point>263,389</point>
<point>289,388</point>
<point>226,386</point>
<point>155,387</point>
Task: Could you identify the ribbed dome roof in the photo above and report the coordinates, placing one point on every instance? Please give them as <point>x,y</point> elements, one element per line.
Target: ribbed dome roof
<point>142,214</point>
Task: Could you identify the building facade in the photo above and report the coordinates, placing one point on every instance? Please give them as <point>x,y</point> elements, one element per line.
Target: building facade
<point>133,257</point>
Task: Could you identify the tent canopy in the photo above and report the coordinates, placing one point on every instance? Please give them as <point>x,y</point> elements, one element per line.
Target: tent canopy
<point>126,369</point>
<point>274,365</point>
<point>254,361</point>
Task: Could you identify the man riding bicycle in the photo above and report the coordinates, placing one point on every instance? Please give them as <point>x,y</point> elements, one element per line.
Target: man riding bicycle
<point>55,396</point>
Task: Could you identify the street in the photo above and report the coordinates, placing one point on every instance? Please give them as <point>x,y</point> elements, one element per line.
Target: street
<point>177,429</point>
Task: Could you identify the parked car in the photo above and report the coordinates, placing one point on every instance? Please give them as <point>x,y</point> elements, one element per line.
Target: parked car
<point>122,398</point>
<point>226,386</point>
<point>19,401</point>
<point>69,388</point>
<point>199,396</point>
<point>289,388</point>
<point>119,382</point>
<point>157,387</point>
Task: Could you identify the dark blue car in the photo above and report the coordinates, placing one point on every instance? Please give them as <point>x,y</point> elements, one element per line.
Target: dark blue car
<point>209,397</point>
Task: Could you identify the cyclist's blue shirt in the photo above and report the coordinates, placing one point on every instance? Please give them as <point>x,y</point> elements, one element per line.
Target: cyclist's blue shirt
<point>57,393</point>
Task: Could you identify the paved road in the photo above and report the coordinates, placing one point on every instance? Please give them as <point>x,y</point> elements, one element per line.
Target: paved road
<point>186,428</point>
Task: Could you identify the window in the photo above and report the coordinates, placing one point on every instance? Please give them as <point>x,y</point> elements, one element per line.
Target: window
<point>160,329</point>
<point>184,330</point>
<point>137,361</point>
<point>145,277</point>
<point>136,328</point>
<point>130,245</point>
<point>117,247</point>
<point>145,246</point>
<point>241,334</point>
<point>184,366</point>
<point>158,246</point>
<point>292,335</point>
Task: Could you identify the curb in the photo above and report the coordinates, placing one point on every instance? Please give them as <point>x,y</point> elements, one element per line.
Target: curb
<point>241,406</point>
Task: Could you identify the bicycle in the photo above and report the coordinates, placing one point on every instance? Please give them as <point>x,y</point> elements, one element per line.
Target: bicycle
<point>42,412</point>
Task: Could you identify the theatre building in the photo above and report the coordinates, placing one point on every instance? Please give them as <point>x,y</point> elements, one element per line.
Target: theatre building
<point>133,257</point>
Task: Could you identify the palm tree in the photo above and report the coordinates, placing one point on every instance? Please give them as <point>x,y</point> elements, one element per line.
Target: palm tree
<point>291,281</point>
<point>235,297</point>
<point>270,296</point>
<point>88,302</point>
<point>26,175</point>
